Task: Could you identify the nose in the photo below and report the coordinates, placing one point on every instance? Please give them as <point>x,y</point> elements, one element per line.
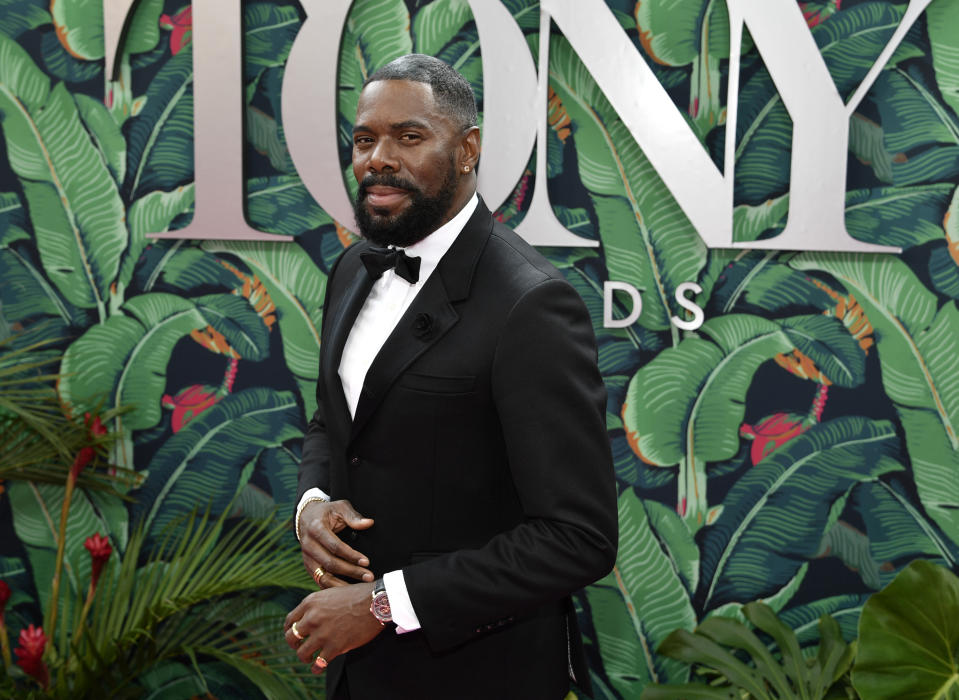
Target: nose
<point>383,157</point>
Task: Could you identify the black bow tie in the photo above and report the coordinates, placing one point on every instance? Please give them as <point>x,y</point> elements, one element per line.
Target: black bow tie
<point>379,260</point>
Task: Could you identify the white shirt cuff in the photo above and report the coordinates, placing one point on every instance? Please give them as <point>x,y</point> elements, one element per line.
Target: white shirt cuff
<point>401,606</point>
<point>310,494</point>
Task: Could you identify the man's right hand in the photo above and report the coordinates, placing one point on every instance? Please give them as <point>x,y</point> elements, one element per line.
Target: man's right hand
<point>321,546</point>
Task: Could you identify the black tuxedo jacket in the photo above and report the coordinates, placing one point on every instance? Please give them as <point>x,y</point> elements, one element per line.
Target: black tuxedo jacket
<point>479,447</point>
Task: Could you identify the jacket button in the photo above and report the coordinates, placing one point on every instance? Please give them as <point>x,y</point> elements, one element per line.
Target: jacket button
<point>354,460</point>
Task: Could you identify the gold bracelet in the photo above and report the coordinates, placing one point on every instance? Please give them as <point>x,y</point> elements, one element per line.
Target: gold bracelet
<point>300,511</point>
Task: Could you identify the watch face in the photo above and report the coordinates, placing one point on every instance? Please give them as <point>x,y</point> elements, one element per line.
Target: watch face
<point>380,608</point>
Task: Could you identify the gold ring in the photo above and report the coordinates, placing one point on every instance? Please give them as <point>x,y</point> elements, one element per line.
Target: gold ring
<point>317,574</point>
<point>320,662</point>
<point>296,633</point>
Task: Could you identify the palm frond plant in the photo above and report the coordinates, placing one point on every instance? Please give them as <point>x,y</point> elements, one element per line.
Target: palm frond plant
<point>174,616</point>
<point>38,440</point>
<point>185,614</point>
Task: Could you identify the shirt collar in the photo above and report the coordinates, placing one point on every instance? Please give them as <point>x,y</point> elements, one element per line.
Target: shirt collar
<point>435,245</point>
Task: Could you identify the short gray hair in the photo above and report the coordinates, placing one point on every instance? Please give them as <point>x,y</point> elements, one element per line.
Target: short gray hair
<point>451,91</point>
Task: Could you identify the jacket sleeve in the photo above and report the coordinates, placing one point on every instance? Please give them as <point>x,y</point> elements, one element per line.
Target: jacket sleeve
<point>551,401</point>
<point>314,468</point>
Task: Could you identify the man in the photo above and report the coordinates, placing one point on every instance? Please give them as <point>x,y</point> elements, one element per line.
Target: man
<point>462,411</point>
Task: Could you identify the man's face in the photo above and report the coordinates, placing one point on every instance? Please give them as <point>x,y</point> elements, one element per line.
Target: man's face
<point>405,161</point>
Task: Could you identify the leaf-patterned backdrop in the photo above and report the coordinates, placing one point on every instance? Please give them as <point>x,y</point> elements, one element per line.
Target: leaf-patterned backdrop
<point>799,448</point>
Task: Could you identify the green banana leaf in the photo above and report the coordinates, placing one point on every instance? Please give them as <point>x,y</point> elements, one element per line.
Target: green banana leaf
<point>36,511</point>
<point>853,38</point>
<point>297,288</point>
<point>281,204</point>
<point>759,281</point>
<point>160,140</point>
<point>849,43</point>
<point>79,27</point>
<point>920,132</point>
<point>775,515</point>
<point>677,33</point>
<point>223,439</point>
<point>436,23</point>
<point>909,637</point>
<point>944,270</point>
<point>13,217</point>
<point>753,222</point>
<point>126,357</point>
<point>19,16</point>
<point>105,133</point>
<point>187,269</point>
<point>636,606</point>
<point>944,258</point>
<point>280,466</point>
<point>26,293</point>
<point>914,342</point>
<point>687,403</point>
<point>897,529</point>
<point>867,143</point>
<point>647,240</point>
<point>851,546</point>
<point>376,32</point>
<point>899,216</point>
<point>941,19</point>
<point>152,213</point>
<point>75,208</point>
<point>268,34</point>
<point>844,609</point>
<point>264,133</point>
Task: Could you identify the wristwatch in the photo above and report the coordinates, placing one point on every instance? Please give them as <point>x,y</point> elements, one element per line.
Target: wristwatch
<point>380,605</point>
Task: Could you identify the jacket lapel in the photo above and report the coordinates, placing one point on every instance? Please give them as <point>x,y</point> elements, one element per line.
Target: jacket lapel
<point>430,316</point>
<point>343,316</point>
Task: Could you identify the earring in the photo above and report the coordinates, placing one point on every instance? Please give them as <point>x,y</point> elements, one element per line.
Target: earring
<point>466,168</point>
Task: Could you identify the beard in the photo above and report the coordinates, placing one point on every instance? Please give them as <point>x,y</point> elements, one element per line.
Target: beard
<point>422,216</point>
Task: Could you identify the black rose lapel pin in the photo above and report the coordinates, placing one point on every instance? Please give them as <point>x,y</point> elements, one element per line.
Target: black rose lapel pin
<point>423,326</point>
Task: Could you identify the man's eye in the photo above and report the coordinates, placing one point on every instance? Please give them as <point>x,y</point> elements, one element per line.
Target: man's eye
<point>362,140</point>
<point>410,137</point>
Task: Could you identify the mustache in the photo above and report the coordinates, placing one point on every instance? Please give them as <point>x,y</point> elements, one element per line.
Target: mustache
<point>386,180</point>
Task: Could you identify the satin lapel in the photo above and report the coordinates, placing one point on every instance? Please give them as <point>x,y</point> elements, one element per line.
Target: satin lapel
<point>427,320</point>
<point>430,316</point>
<point>343,316</point>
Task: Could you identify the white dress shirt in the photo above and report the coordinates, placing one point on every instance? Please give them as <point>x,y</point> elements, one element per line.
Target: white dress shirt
<point>388,300</point>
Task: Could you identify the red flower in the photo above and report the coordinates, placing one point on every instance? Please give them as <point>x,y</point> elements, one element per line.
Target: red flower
<point>772,433</point>
<point>181,24</point>
<point>4,597</point>
<point>30,653</point>
<point>83,458</point>
<point>190,403</point>
<point>86,454</point>
<point>100,550</point>
<point>818,12</point>
<point>96,427</point>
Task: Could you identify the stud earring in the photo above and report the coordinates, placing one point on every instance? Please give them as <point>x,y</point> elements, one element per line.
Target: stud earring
<point>466,168</point>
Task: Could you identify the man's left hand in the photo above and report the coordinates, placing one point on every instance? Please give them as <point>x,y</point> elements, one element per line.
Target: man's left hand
<point>332,622</point>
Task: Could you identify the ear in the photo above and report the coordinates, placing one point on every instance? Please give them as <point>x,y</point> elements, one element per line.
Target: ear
<point>470,149</point>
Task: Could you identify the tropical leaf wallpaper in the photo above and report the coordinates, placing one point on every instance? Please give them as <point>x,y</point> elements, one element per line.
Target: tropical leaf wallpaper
<point>799,448</point>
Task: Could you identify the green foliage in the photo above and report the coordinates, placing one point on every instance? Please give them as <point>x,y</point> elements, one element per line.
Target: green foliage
<point>866,481</point>
<point>909,637</point>
<point>717,645</point>
<point>644,598</point>
<point>38,442</point>
<point>205,592</point>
